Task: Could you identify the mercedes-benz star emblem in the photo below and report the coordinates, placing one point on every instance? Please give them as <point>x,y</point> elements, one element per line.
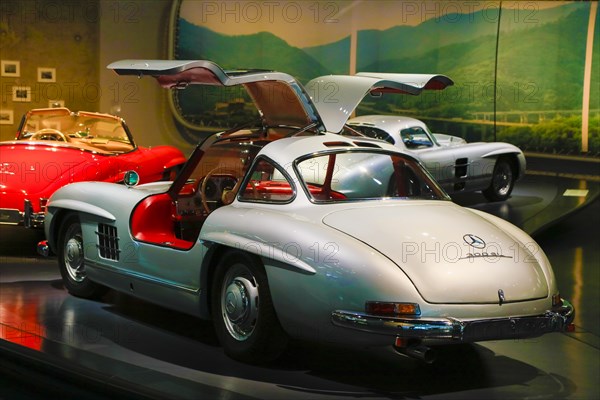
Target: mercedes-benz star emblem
<point>474,241</point>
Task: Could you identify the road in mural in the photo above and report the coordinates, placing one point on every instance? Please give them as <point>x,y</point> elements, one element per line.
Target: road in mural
<point>519,69</point>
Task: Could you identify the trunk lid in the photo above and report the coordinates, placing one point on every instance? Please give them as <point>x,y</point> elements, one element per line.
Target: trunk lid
<point>450,254</point>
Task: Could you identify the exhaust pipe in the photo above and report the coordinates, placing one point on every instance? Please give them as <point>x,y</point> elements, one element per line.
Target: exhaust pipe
<point>419,351</point>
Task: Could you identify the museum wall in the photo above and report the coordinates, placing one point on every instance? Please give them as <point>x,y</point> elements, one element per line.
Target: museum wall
<point>140,29</point>
<point>61,39</point>
<point>535,53</point>
<point>78,40</point>
<point>521,69</point>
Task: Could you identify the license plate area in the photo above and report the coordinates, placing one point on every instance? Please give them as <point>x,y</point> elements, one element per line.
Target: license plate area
<point>517,328</point>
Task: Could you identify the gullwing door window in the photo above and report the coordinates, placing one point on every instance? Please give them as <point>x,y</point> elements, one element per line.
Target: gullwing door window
<point>267,183</point>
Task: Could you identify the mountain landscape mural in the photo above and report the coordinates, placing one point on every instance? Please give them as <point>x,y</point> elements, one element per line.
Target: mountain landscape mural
<point>540,65</point>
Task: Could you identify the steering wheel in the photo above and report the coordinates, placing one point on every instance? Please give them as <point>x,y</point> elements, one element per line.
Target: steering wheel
<point>227,196</point>
<point>49,134</point>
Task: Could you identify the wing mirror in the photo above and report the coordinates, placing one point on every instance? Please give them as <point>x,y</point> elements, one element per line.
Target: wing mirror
<point>131,178</point>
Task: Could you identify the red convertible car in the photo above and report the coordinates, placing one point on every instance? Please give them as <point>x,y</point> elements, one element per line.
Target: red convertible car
<point>55,147</point>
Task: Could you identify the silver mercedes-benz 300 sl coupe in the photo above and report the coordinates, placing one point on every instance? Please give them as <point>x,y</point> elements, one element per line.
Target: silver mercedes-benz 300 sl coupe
<point>290,229</point>
<point>458,166</point>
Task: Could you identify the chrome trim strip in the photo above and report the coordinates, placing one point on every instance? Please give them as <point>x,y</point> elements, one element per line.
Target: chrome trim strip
<point>67,146</point>
<point>142,277</point>
<point>555,320</point>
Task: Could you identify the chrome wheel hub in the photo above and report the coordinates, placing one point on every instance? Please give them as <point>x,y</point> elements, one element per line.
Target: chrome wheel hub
<point>74,259</point>
<point>239,303</point>
<point>502,180</point>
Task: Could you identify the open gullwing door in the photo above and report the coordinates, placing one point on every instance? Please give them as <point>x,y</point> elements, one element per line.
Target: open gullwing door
<point>337,96</point>
<point>280,99</point>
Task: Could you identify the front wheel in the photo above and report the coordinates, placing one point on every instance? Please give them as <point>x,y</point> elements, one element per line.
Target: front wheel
<point>71,261</point>
<point>503,181</point>
<point>242,310</point>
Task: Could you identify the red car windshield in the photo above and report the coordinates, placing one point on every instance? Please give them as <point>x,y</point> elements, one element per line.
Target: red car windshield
<point>88,131</point>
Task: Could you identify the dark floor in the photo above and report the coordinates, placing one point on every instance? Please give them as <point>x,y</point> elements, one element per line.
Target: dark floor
<point>122,347</point>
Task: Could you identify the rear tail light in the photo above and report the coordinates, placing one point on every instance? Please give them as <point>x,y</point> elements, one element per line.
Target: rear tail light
<point>391,309</point>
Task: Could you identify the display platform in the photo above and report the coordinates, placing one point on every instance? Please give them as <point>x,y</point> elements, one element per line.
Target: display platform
<point>538,201</point>
<point>122,347</point>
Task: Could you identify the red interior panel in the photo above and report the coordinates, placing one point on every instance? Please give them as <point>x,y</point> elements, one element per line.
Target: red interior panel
<point>153,221</point>
<point>278,188</point>
<point>319,193</point>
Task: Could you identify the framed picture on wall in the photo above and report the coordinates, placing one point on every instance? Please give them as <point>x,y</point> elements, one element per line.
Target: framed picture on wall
<point>6,117</point>
<point>10,68</point>
<point>56,103</point>
<point>21,94</point>
<point>46,74</point>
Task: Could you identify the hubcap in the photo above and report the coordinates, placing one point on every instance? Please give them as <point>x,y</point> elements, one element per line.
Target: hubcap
<point>74,258</point>
<point>239,302</point>
<point>503,179</point>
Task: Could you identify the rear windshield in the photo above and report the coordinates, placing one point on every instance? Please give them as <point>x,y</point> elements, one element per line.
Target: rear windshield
<point>364,175</point>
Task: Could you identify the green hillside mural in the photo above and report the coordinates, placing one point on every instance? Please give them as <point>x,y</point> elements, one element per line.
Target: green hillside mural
<point>537,62</point>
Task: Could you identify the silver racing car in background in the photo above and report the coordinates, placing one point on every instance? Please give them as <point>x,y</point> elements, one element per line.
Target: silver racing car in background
<point>492,167</point>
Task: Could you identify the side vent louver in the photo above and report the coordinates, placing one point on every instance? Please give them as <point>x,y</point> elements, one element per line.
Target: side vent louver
<point>461,167</point>
<point>108,242</point>
<point>367,144</point>
<point>337,144</point>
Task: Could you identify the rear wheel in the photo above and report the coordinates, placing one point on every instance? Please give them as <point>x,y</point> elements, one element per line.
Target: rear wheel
<point>242,310</point>
<point>503,181</point>
<point>71,261</point>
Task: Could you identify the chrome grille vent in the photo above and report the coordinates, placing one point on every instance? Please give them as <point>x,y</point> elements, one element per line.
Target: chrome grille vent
<point>108,242</point>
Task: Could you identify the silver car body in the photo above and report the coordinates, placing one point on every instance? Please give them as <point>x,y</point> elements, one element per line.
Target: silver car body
<point>472,275</point>
<point>457,165</point>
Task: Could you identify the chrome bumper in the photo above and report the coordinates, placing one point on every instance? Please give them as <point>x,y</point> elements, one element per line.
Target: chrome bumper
<point>32,219</point>
<point>556,320</point>
<point>28,218</point>
<point>11,216</point>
